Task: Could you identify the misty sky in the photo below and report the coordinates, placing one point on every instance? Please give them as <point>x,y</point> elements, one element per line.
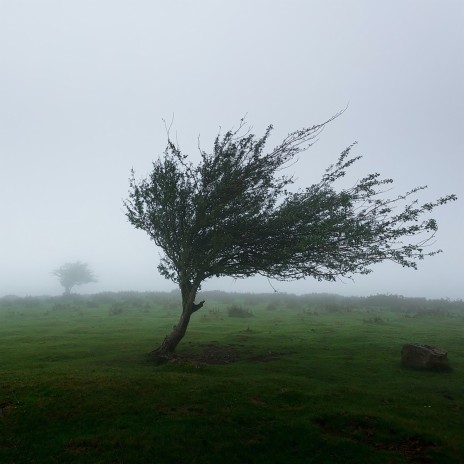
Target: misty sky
<point>85,84</point>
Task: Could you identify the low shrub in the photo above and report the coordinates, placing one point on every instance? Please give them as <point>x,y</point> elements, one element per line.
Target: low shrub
<point>116,309</point>
<point>238,311</point>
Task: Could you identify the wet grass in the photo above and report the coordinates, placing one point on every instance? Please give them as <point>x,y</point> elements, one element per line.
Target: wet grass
<point>293,384</point>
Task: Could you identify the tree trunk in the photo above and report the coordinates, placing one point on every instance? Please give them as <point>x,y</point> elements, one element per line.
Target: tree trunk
<point>166,350</point>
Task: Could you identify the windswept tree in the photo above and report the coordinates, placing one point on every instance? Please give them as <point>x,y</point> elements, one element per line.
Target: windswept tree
<point>232,214</point>
<point>72,274</point>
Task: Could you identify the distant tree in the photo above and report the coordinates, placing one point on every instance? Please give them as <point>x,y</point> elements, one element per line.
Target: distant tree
<point>72,274</point>
<point>233,215</point>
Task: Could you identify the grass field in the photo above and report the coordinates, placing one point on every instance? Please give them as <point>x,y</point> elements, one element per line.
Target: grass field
<point>301,380</point>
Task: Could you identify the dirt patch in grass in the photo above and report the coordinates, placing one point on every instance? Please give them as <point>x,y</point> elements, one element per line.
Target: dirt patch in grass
<point>6,408</point>
<point>373,432</point>
<point>216,353</point>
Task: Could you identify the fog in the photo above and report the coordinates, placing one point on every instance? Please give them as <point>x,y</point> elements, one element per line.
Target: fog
<point>85,85</point>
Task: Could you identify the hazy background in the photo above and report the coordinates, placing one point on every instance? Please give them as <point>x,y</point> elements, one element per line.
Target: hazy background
<point>84,86</point>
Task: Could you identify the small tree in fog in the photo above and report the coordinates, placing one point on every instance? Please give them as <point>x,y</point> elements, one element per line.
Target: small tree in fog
<point>233,215</point>
<point>72,274</point>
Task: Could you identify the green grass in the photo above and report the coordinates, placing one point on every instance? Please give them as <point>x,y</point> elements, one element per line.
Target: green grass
<point>308,384</point>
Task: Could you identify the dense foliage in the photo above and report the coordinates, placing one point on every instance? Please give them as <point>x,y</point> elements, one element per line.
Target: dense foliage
<point>233,214</point>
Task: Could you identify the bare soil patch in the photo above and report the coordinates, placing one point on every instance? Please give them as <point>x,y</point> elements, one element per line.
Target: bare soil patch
<point>216,353</point>
<point>6,408</point>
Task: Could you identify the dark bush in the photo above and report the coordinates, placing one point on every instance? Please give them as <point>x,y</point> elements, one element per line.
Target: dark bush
<point>238,311</point>
<point>117,308</point>
<point>311,312</point>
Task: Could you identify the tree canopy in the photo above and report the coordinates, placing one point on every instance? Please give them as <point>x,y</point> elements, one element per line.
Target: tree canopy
<point>72,274</point>
<point>234,214</point>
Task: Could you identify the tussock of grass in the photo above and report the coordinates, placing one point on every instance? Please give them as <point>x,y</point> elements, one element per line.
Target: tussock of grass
<point>301,383</point>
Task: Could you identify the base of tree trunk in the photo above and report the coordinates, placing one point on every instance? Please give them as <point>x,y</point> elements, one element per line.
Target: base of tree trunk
<point>165,352</point>
<point>160,356</point>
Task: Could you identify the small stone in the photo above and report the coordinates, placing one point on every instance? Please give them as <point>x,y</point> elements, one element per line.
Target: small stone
<point>424,356</point>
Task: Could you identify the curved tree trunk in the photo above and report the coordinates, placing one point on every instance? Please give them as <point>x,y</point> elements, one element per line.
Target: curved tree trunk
<point>166,350</point>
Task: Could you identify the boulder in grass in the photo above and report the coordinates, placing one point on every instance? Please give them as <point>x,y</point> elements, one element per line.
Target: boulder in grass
<point>424,356</point>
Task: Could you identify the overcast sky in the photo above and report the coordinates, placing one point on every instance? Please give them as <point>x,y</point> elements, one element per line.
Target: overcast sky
<point>85,84</point>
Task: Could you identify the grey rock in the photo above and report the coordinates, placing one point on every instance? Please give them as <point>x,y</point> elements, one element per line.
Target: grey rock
<point>424,356</point>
